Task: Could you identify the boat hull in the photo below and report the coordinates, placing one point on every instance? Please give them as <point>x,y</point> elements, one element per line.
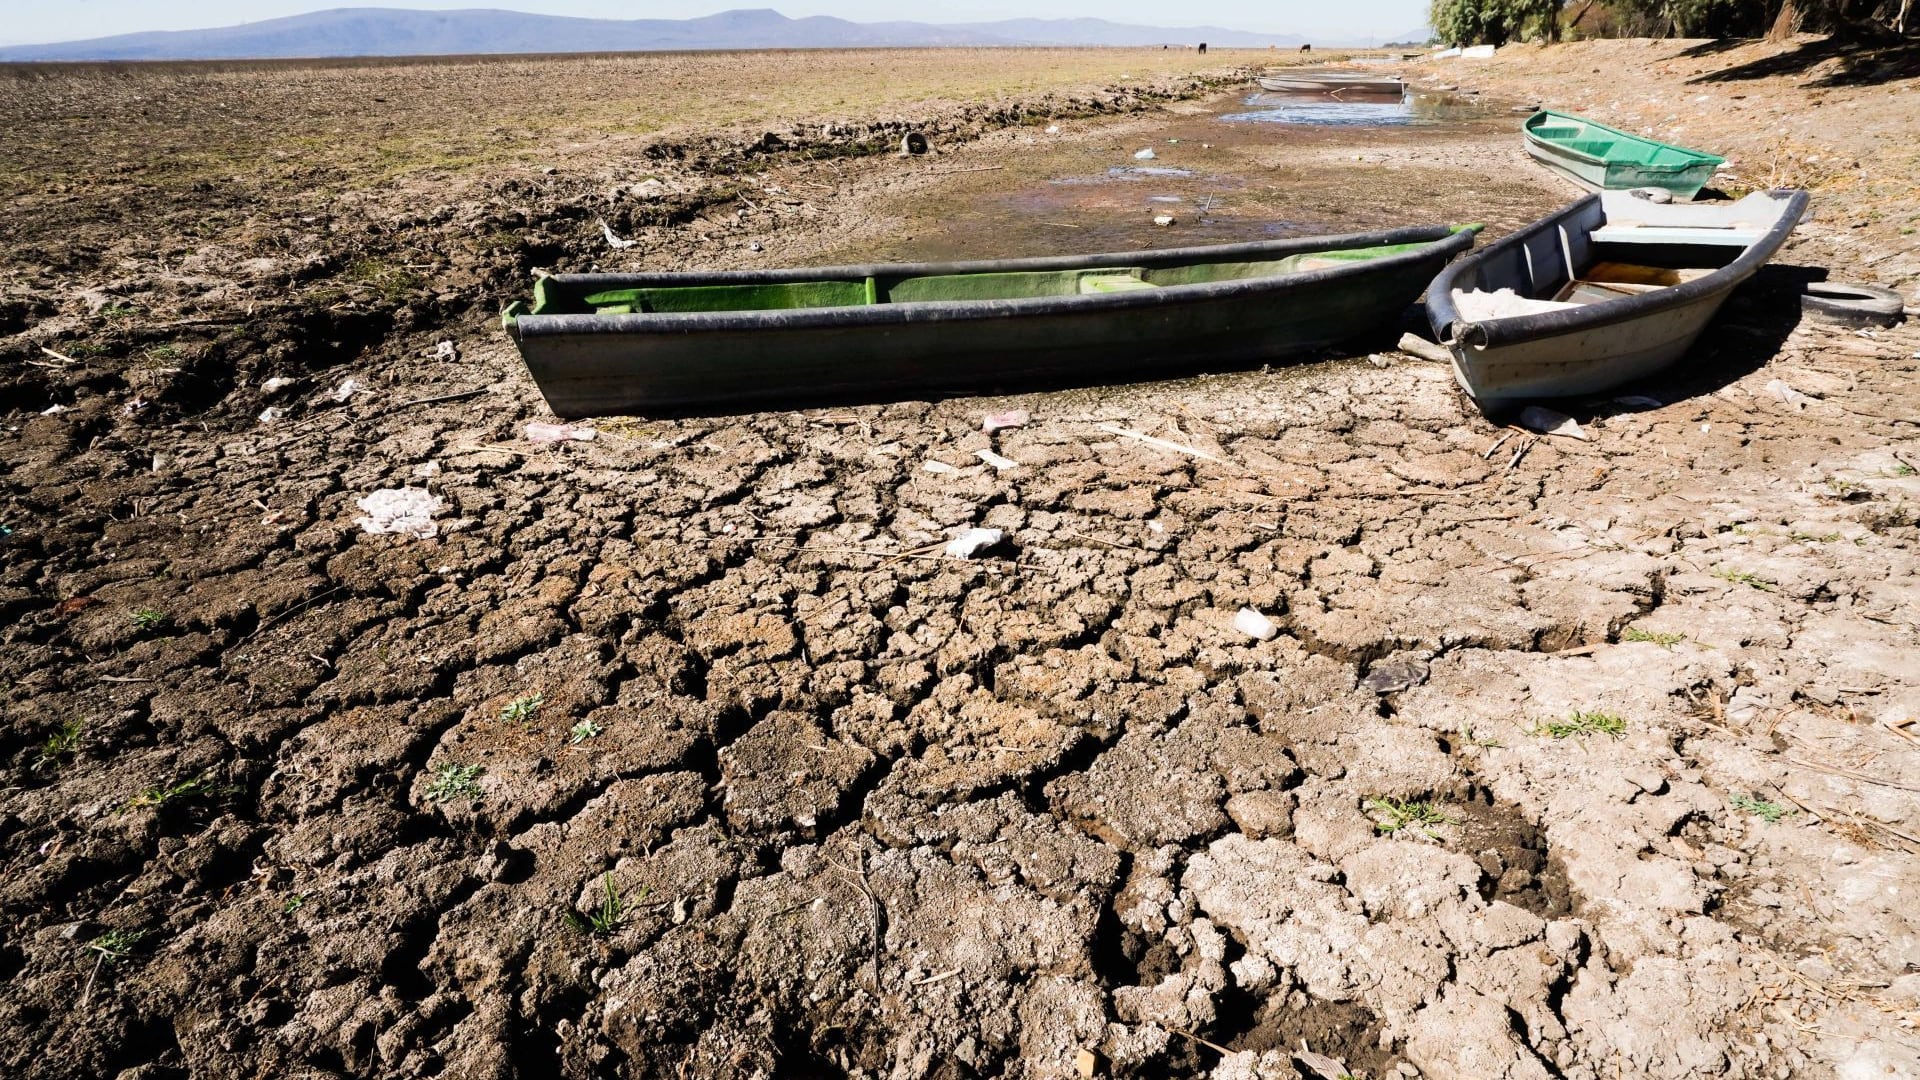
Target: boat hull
<point>1574,351</point>
<point>1326,84</point>
<point>1600,158</point>
<point>590,365</point>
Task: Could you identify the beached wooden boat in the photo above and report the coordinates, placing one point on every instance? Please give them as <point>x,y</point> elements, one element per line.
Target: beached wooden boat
<point>615,343</point>
<point>1610,289</point>
<point>1600,158</point>
<point>1306,81</point>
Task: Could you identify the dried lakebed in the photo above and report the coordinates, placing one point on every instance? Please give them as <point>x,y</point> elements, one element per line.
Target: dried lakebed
<point>685,752</point>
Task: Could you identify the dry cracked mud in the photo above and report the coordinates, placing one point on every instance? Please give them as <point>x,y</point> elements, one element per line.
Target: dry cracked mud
<point>686,751</point>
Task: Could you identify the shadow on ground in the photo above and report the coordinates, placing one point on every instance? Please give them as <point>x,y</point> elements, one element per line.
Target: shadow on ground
<point>1861,63</point>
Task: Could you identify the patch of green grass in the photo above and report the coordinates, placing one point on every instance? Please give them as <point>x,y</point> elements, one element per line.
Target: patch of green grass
<point>582,731</point>
<point>454,781</point>
<point>116,945</point>
<point>611,915</point>
<point>521,709</point>
<point>1843,488</point>
<point>165,353</point>
<point>115,312</point>
<point>392,283</point>
<point>1742,577</point>
<point>1580,724</point>
<point>200,787</point>
<point>1662,638</point>
<point>1765,810</point>
<point>294,903</point>
<point>1392,815</point>
<point>1902,469</point>
<point>149,619</point>
<point>64,740</point>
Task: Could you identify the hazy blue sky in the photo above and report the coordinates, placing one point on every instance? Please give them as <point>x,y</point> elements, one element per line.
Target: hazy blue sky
<point>31,21</point>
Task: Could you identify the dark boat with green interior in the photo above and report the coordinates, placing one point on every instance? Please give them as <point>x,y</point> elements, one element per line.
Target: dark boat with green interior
<point>600,344</point>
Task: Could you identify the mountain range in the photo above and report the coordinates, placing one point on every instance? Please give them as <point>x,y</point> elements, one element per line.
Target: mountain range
<point>402,32</point>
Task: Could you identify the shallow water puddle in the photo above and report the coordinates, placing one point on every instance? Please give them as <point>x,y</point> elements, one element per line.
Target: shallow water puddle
<point>1326,110</point>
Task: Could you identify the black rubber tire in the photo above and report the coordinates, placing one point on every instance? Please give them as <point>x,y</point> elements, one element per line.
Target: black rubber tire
<point>913,144</point>
<point>1852,305</point>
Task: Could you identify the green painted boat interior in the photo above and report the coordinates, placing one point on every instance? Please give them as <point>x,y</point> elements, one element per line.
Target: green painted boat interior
<point>1601,143</point>
<point>555,297</point>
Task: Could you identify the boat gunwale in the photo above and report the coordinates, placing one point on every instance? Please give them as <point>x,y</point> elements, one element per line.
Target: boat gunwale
<point>1440,242</point>
<point>1699,157</point>
<point>1484,334</point>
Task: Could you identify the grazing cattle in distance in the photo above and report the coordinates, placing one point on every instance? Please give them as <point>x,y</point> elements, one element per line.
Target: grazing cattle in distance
<point>1203,47</point>
<point>1306,48</point>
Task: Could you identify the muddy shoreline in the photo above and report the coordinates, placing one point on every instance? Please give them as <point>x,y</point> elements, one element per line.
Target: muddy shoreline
<point>683,752</point>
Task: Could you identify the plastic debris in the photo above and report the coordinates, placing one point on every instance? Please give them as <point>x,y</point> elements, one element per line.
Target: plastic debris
<point>1144,155</point>
<point>1163,220</point>
<point>937,467</point>
<point>538,432</point>
<point>1789,395</point>
<point>1053,129</point>
<point>407,511</point>
<point>54,410</point>
<point>446,350</point>
<point>973,542</point>
<point>996,460</point>
<point>275,384</point>
<point>272,414</point>
<point>1547,422</point>
<point>346,390</point>
<point>999,421</point>
<point>426,469</point>
<point>1255,625</point>
<point>615,242</point>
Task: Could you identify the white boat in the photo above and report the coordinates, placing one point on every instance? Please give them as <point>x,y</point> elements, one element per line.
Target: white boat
<point>1610,289</point>
<point>1306,81</point>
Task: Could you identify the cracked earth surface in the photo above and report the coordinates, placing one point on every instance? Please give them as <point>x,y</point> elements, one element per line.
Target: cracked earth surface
<point>687,752</point>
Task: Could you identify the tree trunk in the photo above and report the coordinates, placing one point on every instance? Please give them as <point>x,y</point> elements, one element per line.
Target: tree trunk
<point>1786,24</point>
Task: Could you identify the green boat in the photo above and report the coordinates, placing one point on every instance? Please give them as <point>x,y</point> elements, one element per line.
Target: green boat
<point>1600,158</point>
<point>599,344</point>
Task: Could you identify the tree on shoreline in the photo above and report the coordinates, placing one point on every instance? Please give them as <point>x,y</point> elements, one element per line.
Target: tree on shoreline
<point>1496,22</point>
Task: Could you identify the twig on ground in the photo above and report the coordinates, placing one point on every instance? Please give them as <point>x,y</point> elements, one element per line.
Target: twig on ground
<point>291,612</point>
<point>1851,774</point>
<point>1208,1043</point>
<point>1116,429</point>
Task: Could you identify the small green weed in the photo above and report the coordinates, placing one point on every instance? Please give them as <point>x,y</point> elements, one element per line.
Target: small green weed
<point>1843,488</point>
<point>1902,469</point>
<point>149,619</point>
<point>1478,740</point>
<point>611,916</point>
<point>294,903</point>
<point>118,311</point>
<point>1741,577</point>
<point>200,787</point>
<point>1662,638</point>
<point>391,282</point>
<point>521,709</point>
<point>1813,538</point>
<point>452,781</point>
<point>1769,812</point>
<point>64,740</point>
<point>1393,815</point>
<point>164,353</point>
<point>1581,724</point>
<point>582,731</point>
<point>116,945</point>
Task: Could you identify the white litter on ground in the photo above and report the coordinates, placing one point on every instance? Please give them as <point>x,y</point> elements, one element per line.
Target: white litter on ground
<point>275,384</point>
<point>937,467</point>
<point>1144,155</point>
<point>996,460</point>
<point>408,511</point>
<point>272,414</point>
<point>974,541</point>
<point>347,389</point>
<point>1012,418</point>
<point>538,432</point>
<point>1548,422</point>
<point>1255,625</point>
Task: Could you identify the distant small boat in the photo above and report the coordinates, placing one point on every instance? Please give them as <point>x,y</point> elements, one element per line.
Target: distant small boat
<point>1610,289</point>
<point>613,343</point>
<point>1601,158</point>
<point>1306,81</point>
